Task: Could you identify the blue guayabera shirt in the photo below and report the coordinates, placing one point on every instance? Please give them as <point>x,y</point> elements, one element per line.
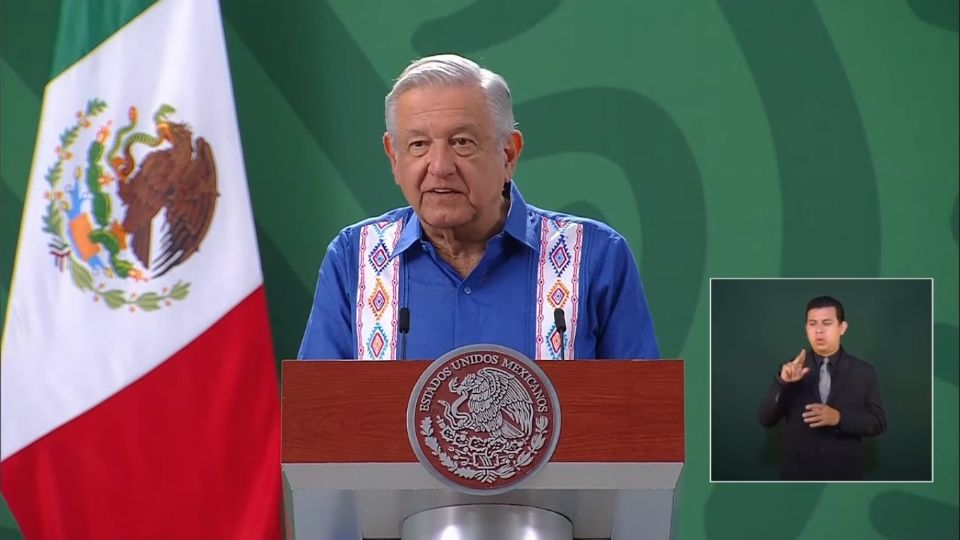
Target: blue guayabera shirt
<point>540,261</point>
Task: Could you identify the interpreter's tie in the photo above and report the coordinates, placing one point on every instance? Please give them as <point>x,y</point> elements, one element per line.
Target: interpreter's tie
<point>824,380</point>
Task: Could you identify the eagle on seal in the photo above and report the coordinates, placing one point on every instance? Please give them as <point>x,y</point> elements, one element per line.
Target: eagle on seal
<point>181,179</point>
<point>491,392</point>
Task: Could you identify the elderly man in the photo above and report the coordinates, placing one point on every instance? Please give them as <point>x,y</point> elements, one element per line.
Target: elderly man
<point>469,261</point>
<point>830,402</point>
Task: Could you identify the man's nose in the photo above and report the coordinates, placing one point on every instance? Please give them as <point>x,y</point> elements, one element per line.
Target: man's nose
<point>441,160</point>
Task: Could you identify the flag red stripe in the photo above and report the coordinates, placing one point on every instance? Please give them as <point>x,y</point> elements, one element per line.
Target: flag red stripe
<point>189,451</point>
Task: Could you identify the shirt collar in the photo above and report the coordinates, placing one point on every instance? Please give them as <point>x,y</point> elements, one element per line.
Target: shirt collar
<point>517,225</point>
<point>526,231</point>
<point>834,358</point>
<point>411,233</point>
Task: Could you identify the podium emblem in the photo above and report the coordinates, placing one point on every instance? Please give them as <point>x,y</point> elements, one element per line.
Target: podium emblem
<point>483,419</point>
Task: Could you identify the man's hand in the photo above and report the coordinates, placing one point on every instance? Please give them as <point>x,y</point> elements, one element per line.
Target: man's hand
<point>820,415</point>
<point>793,371</point>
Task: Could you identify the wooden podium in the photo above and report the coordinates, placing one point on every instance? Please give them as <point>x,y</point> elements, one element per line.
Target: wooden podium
<point>349,471</point>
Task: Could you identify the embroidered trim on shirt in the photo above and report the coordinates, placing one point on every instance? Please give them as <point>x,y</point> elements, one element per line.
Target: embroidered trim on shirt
<point>377,287</point>
<point>558,286</point>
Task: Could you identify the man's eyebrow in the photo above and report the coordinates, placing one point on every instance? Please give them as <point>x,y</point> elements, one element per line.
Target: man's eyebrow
<point>412,133</point>
<point>469,126</point>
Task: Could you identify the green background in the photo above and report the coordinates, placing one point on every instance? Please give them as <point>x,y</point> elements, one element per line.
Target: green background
<point>756,325</point>
<point>736,138</point>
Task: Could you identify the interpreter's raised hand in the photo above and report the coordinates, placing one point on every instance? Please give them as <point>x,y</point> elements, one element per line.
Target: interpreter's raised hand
<point>820,415</point>
<point>794,370</point>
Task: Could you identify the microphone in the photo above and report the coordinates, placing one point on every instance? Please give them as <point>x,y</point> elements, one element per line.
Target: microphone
<point>561,323</point>
<point>403,325</point>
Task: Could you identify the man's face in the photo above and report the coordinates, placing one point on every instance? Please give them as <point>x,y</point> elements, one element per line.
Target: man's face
<point>446,157</point>
<point>824,330</point>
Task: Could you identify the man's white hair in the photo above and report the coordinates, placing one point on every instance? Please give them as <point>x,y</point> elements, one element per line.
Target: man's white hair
<point>452,70</point>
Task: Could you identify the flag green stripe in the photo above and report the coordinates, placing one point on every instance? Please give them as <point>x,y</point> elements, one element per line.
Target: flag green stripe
<point>27,33</point>
<point>85,25</point>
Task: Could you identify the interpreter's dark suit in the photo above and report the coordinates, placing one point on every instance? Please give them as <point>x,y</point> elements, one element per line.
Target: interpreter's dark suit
<point>826,453</point>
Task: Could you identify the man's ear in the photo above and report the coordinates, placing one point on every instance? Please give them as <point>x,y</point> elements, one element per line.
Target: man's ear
<point>843,328</point>
<point>391,152</point>
<point>511,149</point>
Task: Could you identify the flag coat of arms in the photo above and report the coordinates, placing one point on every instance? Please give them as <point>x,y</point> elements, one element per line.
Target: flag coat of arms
<point>138,387</point>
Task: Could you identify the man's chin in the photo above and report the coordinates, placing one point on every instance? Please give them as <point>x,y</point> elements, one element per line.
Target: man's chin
<point>443,221</point>
<point>821,351</point>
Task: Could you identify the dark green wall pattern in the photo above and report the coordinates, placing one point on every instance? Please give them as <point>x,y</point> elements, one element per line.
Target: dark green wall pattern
<point>727,138</point>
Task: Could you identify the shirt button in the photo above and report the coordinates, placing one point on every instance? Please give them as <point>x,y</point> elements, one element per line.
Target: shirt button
<point>467,290</point>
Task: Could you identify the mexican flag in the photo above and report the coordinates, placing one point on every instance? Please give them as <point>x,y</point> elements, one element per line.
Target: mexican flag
<point>138,390</point>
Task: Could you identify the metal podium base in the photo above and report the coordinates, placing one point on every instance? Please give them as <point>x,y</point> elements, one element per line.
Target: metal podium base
<point>486,521</point>
<point>353,501</point>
